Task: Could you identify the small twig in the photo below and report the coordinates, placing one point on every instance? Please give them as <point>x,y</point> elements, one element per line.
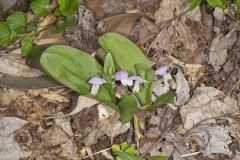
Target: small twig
<point>167,23</point>
<point>97,153</point>
<point>234,87</point>
<point>190,154</point>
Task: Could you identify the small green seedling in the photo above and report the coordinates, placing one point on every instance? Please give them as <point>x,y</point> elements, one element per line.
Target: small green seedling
<point>125,151</point>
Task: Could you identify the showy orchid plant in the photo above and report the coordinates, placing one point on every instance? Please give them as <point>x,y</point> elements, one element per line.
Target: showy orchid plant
<point>124,65</point>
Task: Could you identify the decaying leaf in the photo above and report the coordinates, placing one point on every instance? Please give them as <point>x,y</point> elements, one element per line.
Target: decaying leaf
<point>211,141</point>
<point>70,150</point>
<point>54,136</point>
<point>183,89</point>
<point>9,148</point>
<point>219,49</point>
<point>55,97</point>
<point>194,72</point>
<point>122,23</point>
<point>207,102</point>
<point>14,65</point>
<point>82,103</point>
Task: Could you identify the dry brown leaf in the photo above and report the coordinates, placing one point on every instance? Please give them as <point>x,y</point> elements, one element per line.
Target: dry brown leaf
<point>147,31</point>
<point>96,7</point>
<point>82,103</point>
<point>183,89</point>
<point>120,23</point>
<point>207,103</point>
<point>219,49</point>
<point>54,136</point>
<point>194,72</point>
<point>52,96</point>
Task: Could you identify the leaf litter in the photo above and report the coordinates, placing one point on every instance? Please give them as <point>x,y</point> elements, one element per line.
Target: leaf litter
<point>187,41</point>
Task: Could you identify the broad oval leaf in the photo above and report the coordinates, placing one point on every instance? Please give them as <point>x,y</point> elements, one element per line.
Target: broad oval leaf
<point>26,45</point>
<point>217,3</point>
<point>39,7</point>
<point>17,21</point>
<point>73,68</point>
<point>68,7</point>
<point>127,107</point>
<point>124,52</point>
<point>194,3</point>
<point>5,34</point>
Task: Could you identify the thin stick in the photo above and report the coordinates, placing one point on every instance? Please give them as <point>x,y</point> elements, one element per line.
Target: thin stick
<point>190,154</point>
<point>234,87</point>
<point>97,153</point>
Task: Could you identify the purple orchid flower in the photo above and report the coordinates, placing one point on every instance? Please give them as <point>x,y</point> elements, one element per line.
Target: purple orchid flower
<point>123,77</point>
<point>137,81</point>
<point>162,70</point>
<point>96,82</point>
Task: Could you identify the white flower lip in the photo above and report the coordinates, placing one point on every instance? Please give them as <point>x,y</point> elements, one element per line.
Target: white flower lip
<point>96,82</point>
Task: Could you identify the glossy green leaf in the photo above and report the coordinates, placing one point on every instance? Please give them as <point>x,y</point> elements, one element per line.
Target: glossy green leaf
<point>145,93</point>
<point>26,45</point>
<point>116,148</point>
<point>109,65</point>
<point>64,24</point>
<point>217,3</point>
<point>5,34</point>
<point>40,7</point>
<point>17,21</point>
<point>163,99</point>
<point>68,7</point>
<point>124,52</point>
<point>157,158</point>
<point>127,106</point>
<point>194,3</point>
<point>73,68</point>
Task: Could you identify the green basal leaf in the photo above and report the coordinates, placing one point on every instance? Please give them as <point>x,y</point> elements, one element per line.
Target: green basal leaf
<point>145,93</point>
<point>238,8</point>
<point>124,146</point>
<point>131,150</point>
<point>73,68</point>
<point>127,106</point>
<point>116,148</point>
<point>157,158</point>
<point>218,3</point>
<point>34,53</point>
<point>5,34</point>
<point>68,7</point>
<point>194,3</point>
<point>109,65</point>
<point>128,156</point>
<point>26,45</point>
<point>40,7</point>
<point>124,52</point>
<point>163,99</point>
<point>17,21</point>
<point>64,24</point>
<point>57,12</point>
